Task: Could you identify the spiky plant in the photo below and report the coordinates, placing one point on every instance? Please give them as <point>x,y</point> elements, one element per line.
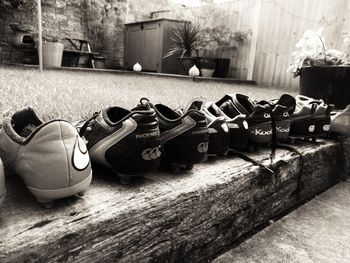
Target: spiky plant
<point>185,40</point>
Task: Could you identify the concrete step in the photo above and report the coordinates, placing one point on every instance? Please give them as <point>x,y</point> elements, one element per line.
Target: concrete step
<point>319,231</point>
<point>190,217</point>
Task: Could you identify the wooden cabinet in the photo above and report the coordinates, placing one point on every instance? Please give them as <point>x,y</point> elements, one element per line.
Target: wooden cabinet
<point>146,43</point>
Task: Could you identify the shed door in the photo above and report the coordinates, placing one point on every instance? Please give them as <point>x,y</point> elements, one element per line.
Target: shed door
<point>152,48</point>
<point>135,46</point>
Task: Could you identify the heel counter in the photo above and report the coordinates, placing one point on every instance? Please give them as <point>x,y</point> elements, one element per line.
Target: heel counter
<point>9,149</point>
<point>219,137</point>
<point>42,161</point>
<point>190,147</point>
<point>137,154</point>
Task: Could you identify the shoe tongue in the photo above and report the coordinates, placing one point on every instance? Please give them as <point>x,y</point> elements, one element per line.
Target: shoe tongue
<point>213,108</point>
<point>166,112</point>
<point>27,130</point>
<point>244,104</point>
<point>25,121</point>
<point>112,115</point>
<point>279,109</point>
<point>261,108</point>
<point>195,104</point>
<point>287,101</point>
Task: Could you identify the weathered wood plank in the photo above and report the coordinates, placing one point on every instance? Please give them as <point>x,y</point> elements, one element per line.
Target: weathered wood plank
<point>165,218</point>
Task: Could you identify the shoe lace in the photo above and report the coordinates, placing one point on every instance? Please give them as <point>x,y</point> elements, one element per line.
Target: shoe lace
<point>146,102</point>
<point>88,123</point>
<point>249,159</point>
<point>274,136</point>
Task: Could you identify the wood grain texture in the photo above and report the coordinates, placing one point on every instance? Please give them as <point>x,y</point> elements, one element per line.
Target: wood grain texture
<point>165,218</point>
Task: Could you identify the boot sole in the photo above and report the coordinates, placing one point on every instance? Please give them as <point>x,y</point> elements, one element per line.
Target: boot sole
<point>47,195</point>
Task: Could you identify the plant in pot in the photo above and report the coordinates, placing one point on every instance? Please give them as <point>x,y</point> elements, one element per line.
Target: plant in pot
<point>222,44</point>
<point>52,48</point>
<point>52,52</point>
<point>185,40</point>
<point>324,73</point>
<point>207,63</point>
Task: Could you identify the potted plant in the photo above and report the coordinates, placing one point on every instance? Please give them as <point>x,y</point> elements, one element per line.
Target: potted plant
<point>221,44</point>
<point>207,63</point>
<point>324,73</point>
<point>52,52</point>
<point>185,40</point>
<point>52,48</point>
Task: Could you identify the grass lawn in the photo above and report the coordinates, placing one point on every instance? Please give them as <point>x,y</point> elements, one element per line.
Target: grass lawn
<point>75,95</point>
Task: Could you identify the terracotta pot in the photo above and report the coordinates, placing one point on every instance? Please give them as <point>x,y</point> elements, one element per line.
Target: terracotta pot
<point>187,63</point>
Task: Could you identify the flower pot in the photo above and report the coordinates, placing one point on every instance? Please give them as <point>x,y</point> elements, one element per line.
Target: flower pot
<point>207,73</point>
<point>207,67</point>
<point>99,62</point>
<point>187,63</point>
<point>330,83</point>
<point>52,54</point>
<point>222,67</point>
<point>69,59</point>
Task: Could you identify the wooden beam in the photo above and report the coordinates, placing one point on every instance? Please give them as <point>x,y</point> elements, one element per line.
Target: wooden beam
<point>188,217</point>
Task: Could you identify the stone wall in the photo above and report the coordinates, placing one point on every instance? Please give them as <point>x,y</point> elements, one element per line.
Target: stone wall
<point>105,25</point>
<point>102,22</point>
<point>60,19</point>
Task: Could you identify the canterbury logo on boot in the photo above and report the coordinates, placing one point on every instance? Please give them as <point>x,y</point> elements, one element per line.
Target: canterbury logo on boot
<point>311,128</point>
<point>151,153</point>
<point>202,147</point>
<point>326,127</point>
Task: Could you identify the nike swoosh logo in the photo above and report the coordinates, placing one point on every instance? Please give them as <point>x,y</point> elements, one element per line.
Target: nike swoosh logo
<point>186,124</point>
<point>80,157</point>
<point>98,151</point>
